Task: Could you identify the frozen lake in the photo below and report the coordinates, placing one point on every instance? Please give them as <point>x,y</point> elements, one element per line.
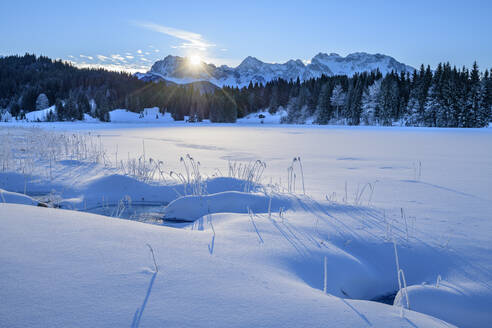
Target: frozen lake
<point>430,185</point>
<point>444,173</point>
<point>456,159</point>
<point>445,169</point>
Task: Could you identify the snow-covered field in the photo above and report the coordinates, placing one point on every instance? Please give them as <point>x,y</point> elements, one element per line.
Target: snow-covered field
<point>250,236</point>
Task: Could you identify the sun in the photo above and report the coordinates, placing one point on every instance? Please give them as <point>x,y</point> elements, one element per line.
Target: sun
<point>195,60</point>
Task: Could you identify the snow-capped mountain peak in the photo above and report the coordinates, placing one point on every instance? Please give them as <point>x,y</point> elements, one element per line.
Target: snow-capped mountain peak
<point>251,69</point>
<point>250,62</point>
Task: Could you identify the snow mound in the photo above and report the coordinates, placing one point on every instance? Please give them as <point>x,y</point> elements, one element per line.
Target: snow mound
<point>147,115</point>
<point>71,263</point>
<point>40,115</point>
<point>16,198</point>
<point>449,302</point>
<point>264,117</point>
<point>110,189</point>
<point>190,208</point>
<point>90,119</point>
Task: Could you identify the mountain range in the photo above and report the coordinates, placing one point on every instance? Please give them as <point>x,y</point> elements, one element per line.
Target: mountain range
<point>181,70</point>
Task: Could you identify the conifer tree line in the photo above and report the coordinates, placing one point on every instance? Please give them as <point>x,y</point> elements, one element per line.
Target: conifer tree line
<point>445,97</point>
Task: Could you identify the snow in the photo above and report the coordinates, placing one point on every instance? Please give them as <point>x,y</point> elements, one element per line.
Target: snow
<point>191,208</point>
<point>147,115</point>
<point>16,198</point>
<point>40,115</point>
<point>253,254</point>
<point>359,62</point>
<point>70,268</point>
<point>266,117</point>
<point>5,116</point>
<point>177,69</point>
<point>90,119</point>
<point>110,189</point>
<point>450,301</point>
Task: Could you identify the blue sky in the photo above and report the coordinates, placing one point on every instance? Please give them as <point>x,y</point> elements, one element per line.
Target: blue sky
<point>132,35</point>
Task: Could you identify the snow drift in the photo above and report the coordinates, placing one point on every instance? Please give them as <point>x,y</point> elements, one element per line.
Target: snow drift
<point>190,208</point>
<point>16,198</point>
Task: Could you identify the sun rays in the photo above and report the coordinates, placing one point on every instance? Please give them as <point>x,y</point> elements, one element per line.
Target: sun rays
<point>195,60</point>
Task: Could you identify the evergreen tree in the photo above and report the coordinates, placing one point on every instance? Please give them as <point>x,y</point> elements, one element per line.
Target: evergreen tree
<point>223,108</point>
<point>294,112</point>
<point>325,110</point>
<point>488,89</point>
<point>463,91</point>
<point>370,103</point>
<point>431,108</point>
<point>60,110</point>
<point>445,113</point>
<point>353,100</point>
<point>42,102</point>
<point>102,107</point>
<point>446,97</point>
<point>29,98</point>
<point>413,116</point>
<point>388,100</point>
<point>71,109</point>
<point>14,109</point>
<point>425,85</point>
<point>338,100</point>
<point>475,104</point>
<point>297,109</point>
<point>83,106</point>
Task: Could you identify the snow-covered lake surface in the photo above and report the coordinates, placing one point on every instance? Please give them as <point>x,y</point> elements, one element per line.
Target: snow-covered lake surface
<point>254,253</point>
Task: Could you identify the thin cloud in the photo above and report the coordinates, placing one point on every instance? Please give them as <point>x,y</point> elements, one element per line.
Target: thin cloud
<point>192,40</point>
<point>118,57</point>
<point>102,58</point>
<point>113,62</point>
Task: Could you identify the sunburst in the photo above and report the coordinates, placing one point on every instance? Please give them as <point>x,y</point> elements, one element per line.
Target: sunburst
<point>195,60</point>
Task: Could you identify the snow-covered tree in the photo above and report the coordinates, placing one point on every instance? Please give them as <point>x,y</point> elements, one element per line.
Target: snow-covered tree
<point>412,116</point>
<point>476,105</point>
<point>5,116</point>
<point>388,101</point>
<point>431,108</point>
<point>338,99</point>
<point>42,102</point>
<point>295,111</point>
<point>370,103</point>
<point>487,81</point>
<point>297,108</point>
<point>444,115</point>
